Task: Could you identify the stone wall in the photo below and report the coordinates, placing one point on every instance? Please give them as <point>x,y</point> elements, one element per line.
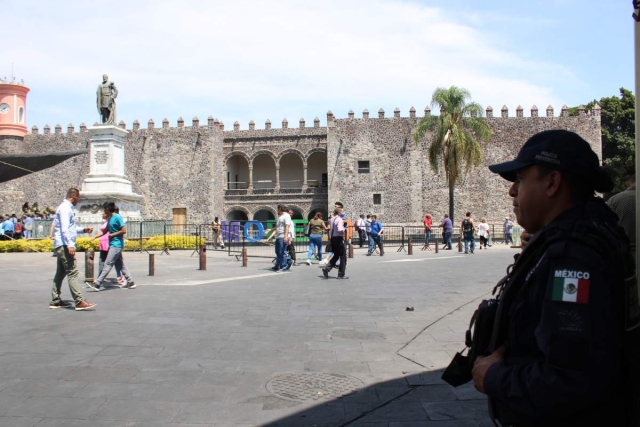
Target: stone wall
<point>185,166</point>
<point>409,187</point>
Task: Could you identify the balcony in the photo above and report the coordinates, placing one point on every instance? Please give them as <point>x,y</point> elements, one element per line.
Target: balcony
<point>268,188</point>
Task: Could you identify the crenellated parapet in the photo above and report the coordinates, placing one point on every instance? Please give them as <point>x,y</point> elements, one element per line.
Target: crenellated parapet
<point>316,129</point>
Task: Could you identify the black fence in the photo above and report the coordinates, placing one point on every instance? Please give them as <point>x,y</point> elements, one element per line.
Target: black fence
<point>256,237</point>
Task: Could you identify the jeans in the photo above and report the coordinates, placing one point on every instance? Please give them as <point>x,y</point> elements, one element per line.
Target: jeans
<point>427,237</point>
<point>469,237</point>
<point>446,235</point>
<point>373,241</point>
<point>103,259</point>
<point>508,238</point>
<point>114,257</point>
<point>67,266</point>
<point>315,241</point>
<point>281,254</point>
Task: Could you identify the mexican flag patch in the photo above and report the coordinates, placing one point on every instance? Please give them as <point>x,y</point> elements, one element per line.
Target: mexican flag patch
<point>571,289</point>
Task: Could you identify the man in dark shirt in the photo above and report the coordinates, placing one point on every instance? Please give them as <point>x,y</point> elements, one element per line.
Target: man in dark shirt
<point>565,340</point>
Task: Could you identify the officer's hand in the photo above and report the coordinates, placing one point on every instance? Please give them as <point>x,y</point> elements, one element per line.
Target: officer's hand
<point>524,238</point>
<point>482,365</point>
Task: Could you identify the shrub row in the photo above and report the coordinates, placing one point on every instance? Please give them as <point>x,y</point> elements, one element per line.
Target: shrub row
<point>83,244</point>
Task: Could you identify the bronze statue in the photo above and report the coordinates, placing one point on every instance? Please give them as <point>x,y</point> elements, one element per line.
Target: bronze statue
<point>106,101</point>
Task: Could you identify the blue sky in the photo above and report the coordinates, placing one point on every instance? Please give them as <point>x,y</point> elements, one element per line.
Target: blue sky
<point>276,59</point>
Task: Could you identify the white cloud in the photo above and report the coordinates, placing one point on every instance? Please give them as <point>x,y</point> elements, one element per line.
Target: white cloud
<point>242,60</point>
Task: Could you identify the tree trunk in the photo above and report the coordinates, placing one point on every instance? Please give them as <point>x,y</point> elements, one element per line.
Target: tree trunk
<point>451,185</point>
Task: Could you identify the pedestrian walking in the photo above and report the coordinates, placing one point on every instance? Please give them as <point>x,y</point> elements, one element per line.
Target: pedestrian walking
<point>624,205</point>
<point>117,230</point>
<point>217,235</point>
<point>28,226</point>
<point>508,231</point>
<point>280,232</point>
<point>447,231</point>
<point>468,228</point>
<point>428,224</point>
<point>361,228</point>
<point>565,342</point>
<point>375,236</point>
<point>317,227</point>
<point>65,232</point>
<point>291,242</point>
<point>337,235</point>
<point>483,232</point>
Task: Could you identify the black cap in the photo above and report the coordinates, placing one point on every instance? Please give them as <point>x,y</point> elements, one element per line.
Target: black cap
<point>559,150</point>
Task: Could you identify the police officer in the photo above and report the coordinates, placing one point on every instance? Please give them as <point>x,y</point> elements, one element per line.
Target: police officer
<point>565,344</point>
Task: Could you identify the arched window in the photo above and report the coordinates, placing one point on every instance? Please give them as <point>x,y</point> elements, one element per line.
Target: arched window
<point>21,115</point>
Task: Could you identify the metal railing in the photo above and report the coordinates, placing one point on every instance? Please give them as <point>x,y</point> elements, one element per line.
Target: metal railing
<point>235,236</point>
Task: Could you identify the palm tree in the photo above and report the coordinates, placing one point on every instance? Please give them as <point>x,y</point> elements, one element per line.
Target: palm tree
<point>458,129</point>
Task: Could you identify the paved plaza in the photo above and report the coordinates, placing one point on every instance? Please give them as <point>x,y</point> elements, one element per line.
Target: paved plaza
<point>234,346</point>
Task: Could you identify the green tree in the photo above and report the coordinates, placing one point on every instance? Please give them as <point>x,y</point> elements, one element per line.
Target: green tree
<point>455,143</point>
<point>619,136</point>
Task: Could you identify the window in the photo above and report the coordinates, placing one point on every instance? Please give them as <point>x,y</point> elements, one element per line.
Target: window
<point>377,199</point>
<point>363,166</point>
<point>20,115</point>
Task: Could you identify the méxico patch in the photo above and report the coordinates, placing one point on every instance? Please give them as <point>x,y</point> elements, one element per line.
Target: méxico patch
<point>571,286</point>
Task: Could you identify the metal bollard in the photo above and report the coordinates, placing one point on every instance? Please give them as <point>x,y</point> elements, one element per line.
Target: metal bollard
<point>245,258</point>
<point>350,250</point>
<point>88,266</point>
<point>409,247</point>
<point>436,246</point>
<point>203,257</point>
<point>459,244</point>
<point>152,264</point>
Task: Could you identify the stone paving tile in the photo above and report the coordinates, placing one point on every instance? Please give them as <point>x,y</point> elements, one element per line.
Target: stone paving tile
<point>220,412</point>
<point>53,407</point>
<point>118,350</point>
<point>398,411</point>
<point>8,402</point>
<point>429,393</point>
<point>129,410</point>
<point>36,387</point>
<point>164,376</point>
<point>471,409</point>
<point>38,372</point>
<point>117,391</point>
<point>338,367</point>
<point>19,421</point>
<point>100,375</point>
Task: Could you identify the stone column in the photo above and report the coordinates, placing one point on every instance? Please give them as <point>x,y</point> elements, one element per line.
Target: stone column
<point>250,187</point>
<point>277,189</point>
<point>304,179</point>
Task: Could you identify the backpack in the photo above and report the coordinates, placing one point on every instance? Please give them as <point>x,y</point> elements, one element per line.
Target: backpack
<point>466,225</point>
<point>18,228</point>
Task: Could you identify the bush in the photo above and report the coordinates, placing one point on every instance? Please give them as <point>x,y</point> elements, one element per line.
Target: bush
<point>83,244</point>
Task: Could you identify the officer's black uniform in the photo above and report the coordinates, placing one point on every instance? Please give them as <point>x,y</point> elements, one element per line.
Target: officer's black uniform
<point>560,318</point>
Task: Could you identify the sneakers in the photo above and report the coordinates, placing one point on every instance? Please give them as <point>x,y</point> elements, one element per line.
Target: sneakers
<point>83,305</point>
<point>129,285</point>
<point>93,285</point>
<point>308,262</point>
<point>325,272</point>
<point>60,304</point>
<point>275,268</point>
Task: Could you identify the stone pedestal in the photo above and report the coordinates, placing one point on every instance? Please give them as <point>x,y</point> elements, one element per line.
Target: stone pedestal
<point>107,181</point>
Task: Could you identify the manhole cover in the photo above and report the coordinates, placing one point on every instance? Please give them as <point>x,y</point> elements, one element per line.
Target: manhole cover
<point>313,386</point>
<point>357,335</point>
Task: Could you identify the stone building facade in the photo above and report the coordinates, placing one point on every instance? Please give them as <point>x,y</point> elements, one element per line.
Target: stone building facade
<point>371,164</point>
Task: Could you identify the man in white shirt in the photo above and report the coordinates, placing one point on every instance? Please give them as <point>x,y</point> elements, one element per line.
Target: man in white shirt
<point>282,227</point>
<point>291,247</point>
<point>361,225</point>
<point>65,232</point>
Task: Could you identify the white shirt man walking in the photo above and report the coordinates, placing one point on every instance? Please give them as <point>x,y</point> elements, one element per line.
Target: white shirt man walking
<point>65,232</point>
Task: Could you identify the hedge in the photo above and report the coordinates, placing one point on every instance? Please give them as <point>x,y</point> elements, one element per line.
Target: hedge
<point>83,244</point>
